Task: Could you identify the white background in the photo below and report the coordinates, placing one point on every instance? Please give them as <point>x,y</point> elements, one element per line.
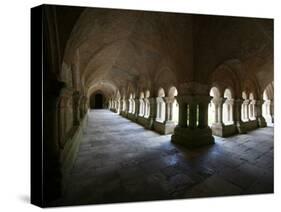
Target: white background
<point>15,103</point>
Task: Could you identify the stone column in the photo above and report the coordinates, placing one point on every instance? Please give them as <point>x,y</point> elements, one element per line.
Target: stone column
<point>253,108</point>
<point>75,108</point>
<point>269,112</point>
<point>193,136</point>
<point>203,113</point>
<point>182,113</point>
<point>128,106</point>
<point>192,115</point>
<point>216,112</point>
<point>272,111</point>
<point>246,106</point>
<point>168,110</point>
<point>152,112</point>
<point>237,115</point>
<point>218,126</point>
<point>220,110</point>
<point>259,117</point>
<point>231,103</point>
<point>137,103</point>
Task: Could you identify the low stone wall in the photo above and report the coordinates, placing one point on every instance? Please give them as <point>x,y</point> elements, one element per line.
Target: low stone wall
<point>113,110</point>
<point>132,117</point>
<point>250,125</point>
<point>159,127</point>
<point>71,148</point>
<point>124,114</point>
<point>143,121</point>
<point>229,130</point>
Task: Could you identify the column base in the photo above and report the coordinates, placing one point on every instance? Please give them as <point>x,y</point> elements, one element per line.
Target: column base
<point>131,116</point>
<point>262,122</point>
<point>113,110</point>
<point>217,129</point>
<point>192,138</point>
<point>123,113</point>
<point>223,130</point>
<point>164,128</point>
<point>241,127</point>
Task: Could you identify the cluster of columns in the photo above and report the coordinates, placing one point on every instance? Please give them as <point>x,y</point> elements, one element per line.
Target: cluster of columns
<point>192,129</point>
<point>71,109</point>
<point>147,111</point>
<point>239,116</point>
<point>218,113</point>
<point>242,125</point>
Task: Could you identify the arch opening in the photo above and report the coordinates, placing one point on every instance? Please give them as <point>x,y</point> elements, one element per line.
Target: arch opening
<point>268,104</point>
<point>227,107</point>
<point>213,108</point>
<point>97,101</point>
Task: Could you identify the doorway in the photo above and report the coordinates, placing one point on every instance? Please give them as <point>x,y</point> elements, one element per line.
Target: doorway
<point>96,101</point>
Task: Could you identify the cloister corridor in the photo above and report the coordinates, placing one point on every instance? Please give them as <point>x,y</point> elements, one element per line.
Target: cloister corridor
<point>119,160</point>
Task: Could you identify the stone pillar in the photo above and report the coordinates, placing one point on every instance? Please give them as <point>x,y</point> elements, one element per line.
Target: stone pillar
<point>137,107</point>
<point>237,116</point>
<point>220,110</point>
<point>193,136</point>
<point>218,126</point>
<point>182,113</point>
<point>231,103</point>
<point>259,117</point>
<point>253,109</point>
<point>76,98</point>
<point>272,111</point>
<point>246,106</point>
<point>152,112</point>
<point>168,108</point>
<point>109,104</point>
<point>216,112</point>
<point>203,113</point>
<point>269,112</point>
<point>192,115</point>
<point>128,106</point>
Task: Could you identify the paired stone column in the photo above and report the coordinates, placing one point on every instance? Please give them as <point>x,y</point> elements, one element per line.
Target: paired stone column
<point>193,135</point>
<point>168,110</point>
<point>229,103</point>
<point>218,126</point>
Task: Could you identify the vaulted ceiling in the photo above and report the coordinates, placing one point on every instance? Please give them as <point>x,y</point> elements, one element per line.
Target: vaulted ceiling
<point>118,49</point>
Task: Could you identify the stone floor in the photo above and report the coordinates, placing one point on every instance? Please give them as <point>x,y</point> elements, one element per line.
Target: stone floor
<point>120,161</point>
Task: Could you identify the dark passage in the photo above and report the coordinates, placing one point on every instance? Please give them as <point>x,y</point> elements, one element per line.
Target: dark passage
<point>96,101</point>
